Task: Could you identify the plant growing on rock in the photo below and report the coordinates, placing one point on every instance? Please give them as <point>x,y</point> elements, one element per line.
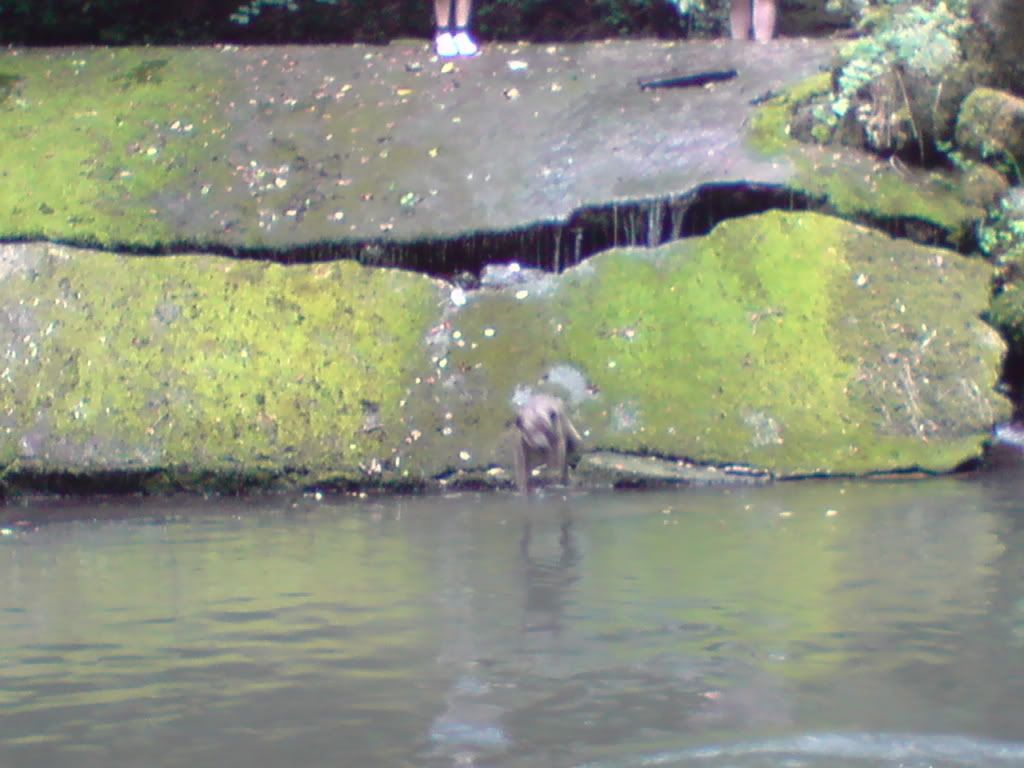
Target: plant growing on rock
<point>1001,235</point>
<point>899,84</point>
<point>1001,239</point>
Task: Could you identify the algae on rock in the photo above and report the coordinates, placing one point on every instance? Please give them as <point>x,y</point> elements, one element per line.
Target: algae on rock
<point>798,343</point>
<point>853,183</point>
<point>203,366</point>
<point>794,342</point>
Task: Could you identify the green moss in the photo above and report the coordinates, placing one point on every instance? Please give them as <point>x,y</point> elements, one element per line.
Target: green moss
<point>707,323</point>
<point>7,85</point>
<point>200,364</point>
<point>149,71</point>
<point>769,127</point>
<point>96,134</point>
<point>881,191</point>
<point>795,342</point>
<point>855,185</point>
<point>748,346</point>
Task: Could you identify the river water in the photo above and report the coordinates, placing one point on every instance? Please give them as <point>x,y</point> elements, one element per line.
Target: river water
<point>805,624</point>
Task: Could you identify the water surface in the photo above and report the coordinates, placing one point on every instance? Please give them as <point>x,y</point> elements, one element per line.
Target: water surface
<point>812,624</point>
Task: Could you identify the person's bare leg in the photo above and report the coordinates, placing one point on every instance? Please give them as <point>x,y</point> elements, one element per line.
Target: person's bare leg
<point>444,41</point>
<point>764,20</point>
<point>462,10</point>
<point>442,13</point>
<point>464,41</point>
<point>739,18</point>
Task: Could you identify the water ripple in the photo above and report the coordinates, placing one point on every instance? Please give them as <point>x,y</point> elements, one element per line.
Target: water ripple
<point>825,748</point>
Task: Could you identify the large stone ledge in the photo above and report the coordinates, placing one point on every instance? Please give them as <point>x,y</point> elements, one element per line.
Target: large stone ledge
<point>794,343</point>
<point>348,146</point>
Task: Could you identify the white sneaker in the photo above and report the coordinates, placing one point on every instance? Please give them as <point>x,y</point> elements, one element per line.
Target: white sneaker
<point>444,44</point>
<point>465,44</point>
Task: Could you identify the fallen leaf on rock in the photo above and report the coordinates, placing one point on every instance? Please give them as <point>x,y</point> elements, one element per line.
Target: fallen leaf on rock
<point>516,65</point>
<point>447,67</point>
<point>511,94</point>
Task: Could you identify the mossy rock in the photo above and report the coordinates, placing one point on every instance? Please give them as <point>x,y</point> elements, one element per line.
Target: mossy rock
<point>852,183</point>
<point>990,127</point>
<point>794,342</point>
<point>208,372</point>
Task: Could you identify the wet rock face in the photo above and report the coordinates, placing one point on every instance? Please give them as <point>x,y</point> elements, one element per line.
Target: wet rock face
<point>206,367</point>
<point>792,342</point>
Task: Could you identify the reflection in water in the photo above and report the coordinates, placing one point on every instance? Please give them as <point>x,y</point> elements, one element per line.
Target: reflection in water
<point>809,624</point>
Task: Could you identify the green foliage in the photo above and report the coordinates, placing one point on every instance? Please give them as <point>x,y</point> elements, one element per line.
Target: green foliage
<point>1001,235</point>
<point>247,12</point>
<point>277,21</point>
<point>903,41</point>
<point>704,17</point>
<point>925,39</point>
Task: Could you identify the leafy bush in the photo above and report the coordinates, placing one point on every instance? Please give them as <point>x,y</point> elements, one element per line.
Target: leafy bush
<point>1001,235</point>
<point>891,83</point>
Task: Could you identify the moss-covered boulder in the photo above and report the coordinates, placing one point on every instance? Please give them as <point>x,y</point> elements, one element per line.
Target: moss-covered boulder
<point>205,371</point>
<point>990,127</point>
<point>792,342</point>
<point>855,184</point>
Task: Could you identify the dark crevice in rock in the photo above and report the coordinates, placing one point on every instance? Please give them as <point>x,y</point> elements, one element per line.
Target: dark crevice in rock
<point>111,483</point>
<point>557,245</point>
<point>1013,379</point>
<point>140,482</point>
